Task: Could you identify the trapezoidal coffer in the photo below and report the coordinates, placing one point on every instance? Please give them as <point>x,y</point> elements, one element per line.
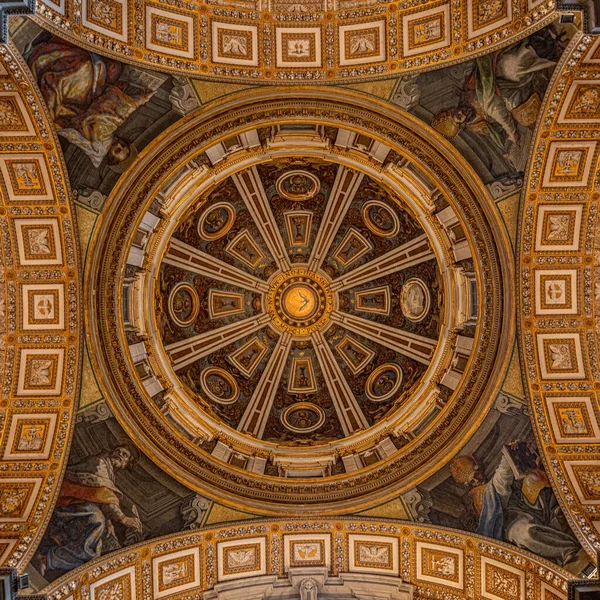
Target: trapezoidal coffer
<point>301,317</point>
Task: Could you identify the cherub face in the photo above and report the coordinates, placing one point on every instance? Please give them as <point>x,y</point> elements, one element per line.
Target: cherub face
<point>118,151</point>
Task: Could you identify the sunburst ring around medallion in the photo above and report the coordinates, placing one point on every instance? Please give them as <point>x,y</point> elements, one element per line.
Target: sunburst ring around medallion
<point>300,302</point>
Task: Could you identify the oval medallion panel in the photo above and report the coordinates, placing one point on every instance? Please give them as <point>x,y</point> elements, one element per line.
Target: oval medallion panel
<point>380,219</point>
<point>184,304</point>
<point>216,221</point>
<point>298,185</point>
<point>303,417</point>
<point>415,300</point>
<point>219,385</point>
<point>384,382</point>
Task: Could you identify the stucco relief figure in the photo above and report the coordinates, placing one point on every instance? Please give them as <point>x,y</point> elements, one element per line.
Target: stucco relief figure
<point>517,504</point>
<point>88,507</point>
<point>503,91</point>
<point>88,99</point>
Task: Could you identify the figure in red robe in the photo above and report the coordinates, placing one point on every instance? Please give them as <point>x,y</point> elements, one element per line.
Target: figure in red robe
<point>88,504</point>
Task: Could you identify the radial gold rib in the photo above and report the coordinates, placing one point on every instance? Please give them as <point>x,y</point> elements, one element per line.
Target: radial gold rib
<point>412,253</point>
<point>252,191</point>
<point>409,344</point>
<point>187,351</point>
<point>254,419</point>
<point>342,193</point>
<point>349,413</point>
<point>187,257</point>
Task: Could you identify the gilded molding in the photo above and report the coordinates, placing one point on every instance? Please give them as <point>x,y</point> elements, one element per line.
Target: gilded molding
<point>184,459</point>
<point>282,42</point>
<point>40,321</point>
<point>437,562</point>
<point>558,285</point>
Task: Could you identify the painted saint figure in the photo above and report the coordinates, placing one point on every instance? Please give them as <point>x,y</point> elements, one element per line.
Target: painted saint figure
<point>517,504</point>
<point>502,89</point>
<point>89,504</point>
<point>87,99</point>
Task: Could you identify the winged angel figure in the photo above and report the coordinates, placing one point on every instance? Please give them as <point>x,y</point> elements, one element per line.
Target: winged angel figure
<point>373,554</point>
<point>240,558</point>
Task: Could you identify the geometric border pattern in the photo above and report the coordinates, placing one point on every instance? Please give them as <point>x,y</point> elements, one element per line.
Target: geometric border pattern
<point>41,325</point>
<point>559,237</point>
<point>464,562</point>
<point>397,36</point>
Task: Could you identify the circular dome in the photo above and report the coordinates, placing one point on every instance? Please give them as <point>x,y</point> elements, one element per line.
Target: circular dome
<point>307,300</point>
<point>301,305</point>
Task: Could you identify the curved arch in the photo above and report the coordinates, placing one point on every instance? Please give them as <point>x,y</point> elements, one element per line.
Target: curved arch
<point>422,559</point>
<point>558,283</point>
<point>281,42</point>
<point>40,313</point>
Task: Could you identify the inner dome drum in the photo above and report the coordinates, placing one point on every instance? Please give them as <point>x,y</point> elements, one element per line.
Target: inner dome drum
<point>297,308</point>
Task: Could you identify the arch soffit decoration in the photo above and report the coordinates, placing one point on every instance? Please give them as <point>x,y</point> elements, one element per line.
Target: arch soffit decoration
<point>40,321</point>
<point>134,194</point>
<point>282,42</point>
<point>558,247</point>
<point>435,562</point>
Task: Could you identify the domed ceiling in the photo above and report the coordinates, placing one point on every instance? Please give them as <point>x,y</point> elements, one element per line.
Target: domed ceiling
<point>299,305</point>
<point>323,307</point>
<point>299,301</point>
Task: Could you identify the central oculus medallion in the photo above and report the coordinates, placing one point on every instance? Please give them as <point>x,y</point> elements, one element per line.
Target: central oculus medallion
<point>300,302</point>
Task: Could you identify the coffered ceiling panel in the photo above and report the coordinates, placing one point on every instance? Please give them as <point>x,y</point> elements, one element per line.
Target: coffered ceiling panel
<point>271,559</point>
<point>40,323</point>
<point>294,41</point>
<point>559,286</point>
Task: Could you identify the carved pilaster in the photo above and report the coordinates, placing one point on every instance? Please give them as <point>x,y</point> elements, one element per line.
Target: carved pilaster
<point>95,413</point>
<point>182,97</point>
